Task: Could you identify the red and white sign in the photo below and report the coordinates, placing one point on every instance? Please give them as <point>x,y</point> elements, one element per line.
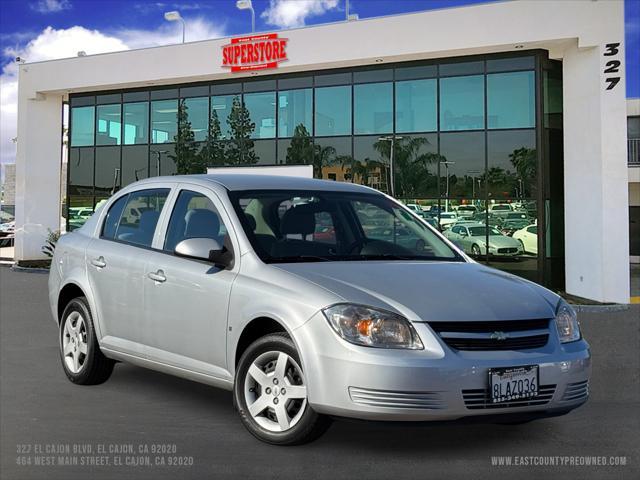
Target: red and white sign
<point>256,52</point>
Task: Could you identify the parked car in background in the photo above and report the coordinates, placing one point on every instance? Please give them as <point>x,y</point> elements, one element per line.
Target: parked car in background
<point>494,220</point>
<point>415,207</point>
<point>7,228</point>
<point>500,209</point>
<point>467,211</point>
<point>473,240</point>
<point>220,280</point>
<point>509,226</point>
<point>528,238</point>
<point>446,219</point>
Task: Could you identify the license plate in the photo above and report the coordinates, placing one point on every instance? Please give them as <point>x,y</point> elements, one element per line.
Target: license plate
<point>513,383</point>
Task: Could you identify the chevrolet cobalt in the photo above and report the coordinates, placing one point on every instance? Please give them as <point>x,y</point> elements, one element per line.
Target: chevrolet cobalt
<point>310,300</point>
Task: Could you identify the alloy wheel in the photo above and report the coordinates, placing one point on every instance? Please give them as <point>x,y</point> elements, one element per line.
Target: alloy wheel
<point>74,342</point>
<point>275,391</point>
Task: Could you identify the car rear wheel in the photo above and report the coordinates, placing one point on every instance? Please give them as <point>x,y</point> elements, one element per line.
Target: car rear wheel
<point>82,360</point>
<point>270,393</point>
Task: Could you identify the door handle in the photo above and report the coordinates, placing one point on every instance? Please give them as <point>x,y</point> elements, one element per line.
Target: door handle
<point>99,262</point>
<point>157,276</point>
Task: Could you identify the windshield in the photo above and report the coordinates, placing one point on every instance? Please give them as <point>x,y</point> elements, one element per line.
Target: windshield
<point>294,226</point>
<point>482,231</point>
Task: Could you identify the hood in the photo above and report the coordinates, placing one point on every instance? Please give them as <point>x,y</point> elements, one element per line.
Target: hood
<point>431,291</point>
<point>502,241</point>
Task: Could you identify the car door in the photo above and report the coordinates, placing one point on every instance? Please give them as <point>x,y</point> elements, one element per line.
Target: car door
<point>187,300</point>
<point>531,239</point>
<point>116,261</point>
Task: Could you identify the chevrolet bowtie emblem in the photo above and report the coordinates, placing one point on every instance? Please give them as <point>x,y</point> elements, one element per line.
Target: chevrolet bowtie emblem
<point>500,336</point>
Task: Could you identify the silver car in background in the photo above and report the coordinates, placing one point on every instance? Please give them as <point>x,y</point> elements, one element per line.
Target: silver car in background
<point>297,295</point>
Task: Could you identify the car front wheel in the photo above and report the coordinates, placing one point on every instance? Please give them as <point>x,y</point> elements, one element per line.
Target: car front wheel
<point>270,393</point>
<point>82,360</point>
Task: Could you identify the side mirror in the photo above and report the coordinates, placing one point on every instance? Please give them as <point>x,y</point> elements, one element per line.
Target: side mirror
<point>206,249</point>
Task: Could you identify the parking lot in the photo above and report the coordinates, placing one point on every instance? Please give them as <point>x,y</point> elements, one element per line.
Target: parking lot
<point>183,422</point>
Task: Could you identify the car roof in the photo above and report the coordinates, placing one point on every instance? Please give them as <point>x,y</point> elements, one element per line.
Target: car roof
<point>249,181</point>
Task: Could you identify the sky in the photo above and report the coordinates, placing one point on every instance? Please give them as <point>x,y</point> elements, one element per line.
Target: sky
<point>48,29</point>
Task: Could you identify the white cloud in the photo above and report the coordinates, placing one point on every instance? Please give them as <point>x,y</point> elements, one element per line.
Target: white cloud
<point>54,43</point>
<point>50,6</point>
<point>292,13</point>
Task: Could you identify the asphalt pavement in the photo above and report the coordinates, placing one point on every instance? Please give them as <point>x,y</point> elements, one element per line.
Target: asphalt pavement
<point>188,430</point>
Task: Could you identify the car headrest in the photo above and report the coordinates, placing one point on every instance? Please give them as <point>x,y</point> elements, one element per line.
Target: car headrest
<point>298,220</point>
<point>202,223</point>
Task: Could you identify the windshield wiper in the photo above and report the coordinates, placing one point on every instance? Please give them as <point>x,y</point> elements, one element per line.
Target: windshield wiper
<point>300,258</point>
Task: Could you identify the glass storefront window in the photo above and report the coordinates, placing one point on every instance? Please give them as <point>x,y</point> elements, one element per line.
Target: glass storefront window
<point>80,171</point>
<point>265,151</point>
<point>162,160</point>
<point>164,121</point>
<point>108,125</point>
<point>136,123</point>
<point>197,111</point>
<point>461,165</point>
<point>107,178</point>
<point>512,164</point>
<point>370,165</point>
<point>82,126</point>
<point>332,158</point>
<point>462,103</point>
<point>262,110</point>
<point>415,166</point>
<point>416,106</point>
<point>333,111</point>
<point>135,163</point>
<point>511,100</point>
<point>295,108</point>
<point>373,108</point>
<point>80,209</point>
<point>222,105</point>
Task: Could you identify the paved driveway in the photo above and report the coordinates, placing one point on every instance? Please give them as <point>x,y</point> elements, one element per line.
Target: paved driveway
<point>43,414</point>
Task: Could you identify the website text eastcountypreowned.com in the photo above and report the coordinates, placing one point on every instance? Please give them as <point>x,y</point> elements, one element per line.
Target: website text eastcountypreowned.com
<point>558,461</point>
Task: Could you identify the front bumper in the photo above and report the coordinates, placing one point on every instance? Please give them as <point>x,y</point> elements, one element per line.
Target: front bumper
<point>436,383</point>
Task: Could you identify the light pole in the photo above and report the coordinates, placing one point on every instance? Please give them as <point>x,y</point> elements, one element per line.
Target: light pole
<point>159,153</point>
<point>392,139</point>
<point>446,169</point>
<point>174,16</point>
<point>247,5</point>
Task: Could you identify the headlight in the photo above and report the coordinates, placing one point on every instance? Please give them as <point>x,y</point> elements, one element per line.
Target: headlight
<point>366,326</point>
<point>567,323</point>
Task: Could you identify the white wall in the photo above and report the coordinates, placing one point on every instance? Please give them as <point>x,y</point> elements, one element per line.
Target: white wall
<point>595,180</point>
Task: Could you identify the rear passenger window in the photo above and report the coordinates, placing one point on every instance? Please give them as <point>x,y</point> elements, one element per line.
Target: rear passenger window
<point>137,217</point>
<point>113,217</point>
<point>194,216</point>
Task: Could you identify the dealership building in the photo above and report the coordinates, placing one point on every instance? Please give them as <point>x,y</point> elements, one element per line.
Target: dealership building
<point>517,102</point>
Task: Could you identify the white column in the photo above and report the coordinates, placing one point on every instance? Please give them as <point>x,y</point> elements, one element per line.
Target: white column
<point>595,175</point>
<point>38,165</point>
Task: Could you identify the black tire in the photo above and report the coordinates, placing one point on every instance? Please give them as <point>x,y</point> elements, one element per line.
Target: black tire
<point>475,250</point>
<point>311,424</point>
<point>96,368</point>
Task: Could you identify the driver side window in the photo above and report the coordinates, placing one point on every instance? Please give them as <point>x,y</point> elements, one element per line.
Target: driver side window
<point>193,216</point>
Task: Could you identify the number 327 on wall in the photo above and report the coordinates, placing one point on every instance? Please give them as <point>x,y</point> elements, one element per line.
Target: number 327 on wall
<point>613,65</point>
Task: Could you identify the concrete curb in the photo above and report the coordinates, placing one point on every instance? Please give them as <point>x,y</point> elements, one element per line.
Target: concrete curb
<point>16,268</point>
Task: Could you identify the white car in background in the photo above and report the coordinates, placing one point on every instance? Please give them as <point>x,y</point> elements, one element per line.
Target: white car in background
<point>447,219</point>
<point>528,238</point>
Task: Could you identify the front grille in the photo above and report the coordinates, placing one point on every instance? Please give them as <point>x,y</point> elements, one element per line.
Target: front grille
<point>494,335</point>
<point>479,399</point>
<point>576,391</point>
<point>396,399</point>
<point>507,250</point>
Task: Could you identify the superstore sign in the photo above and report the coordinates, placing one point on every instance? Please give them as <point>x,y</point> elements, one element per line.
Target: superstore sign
<point>256,52</point>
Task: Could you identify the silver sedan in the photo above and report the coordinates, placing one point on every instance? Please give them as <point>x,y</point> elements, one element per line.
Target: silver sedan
<point>297,295</point>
